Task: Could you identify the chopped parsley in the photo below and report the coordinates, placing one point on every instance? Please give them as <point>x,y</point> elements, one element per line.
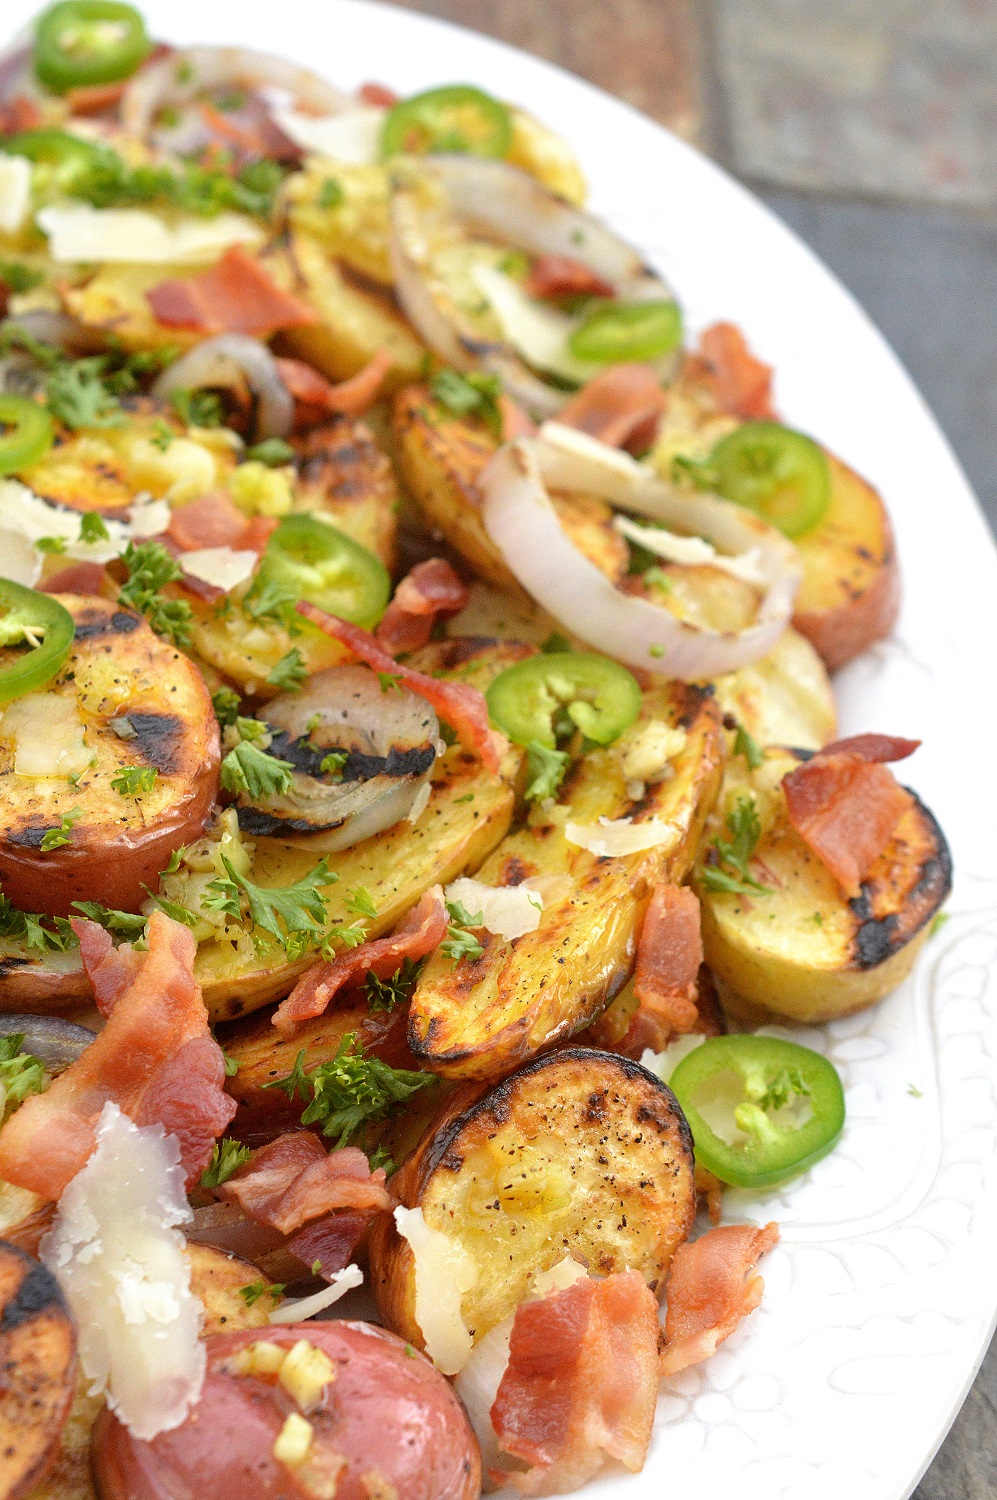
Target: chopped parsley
<point>17,277</point>
<point>197,408</point>
<point>108,181</point>
<point>745,830</point>
<point>51,544</point>
<point>474,394</point>
<point>386,994</point>
<point>258,774</point>
<point>938,921</point>
<point>226,704</point>
<point>131,780</point>
<point>293,914</point>
<point>349,1090</point>
<point>257,1289</point>
<point>389,682</point>
<point>92,528</point>
<point>745,744</point>
<point>20,1073</point>
<point>273,452</point>
<point>35,931</point>
<point>360,901</point>
<point>55,837</point>
<point>460,942</point>
<point>333,763</point>
<point>555,643</point>
<point>150,568</point>
<point>125,923</point>
<point>330,194</point>
<point>78,396</point>
<point>290,672</point>
<point>271,600</point>
<point>544,771</point>
<point>226,1157</point>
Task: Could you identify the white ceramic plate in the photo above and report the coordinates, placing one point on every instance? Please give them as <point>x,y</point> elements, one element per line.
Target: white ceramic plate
<point>881,1298</point>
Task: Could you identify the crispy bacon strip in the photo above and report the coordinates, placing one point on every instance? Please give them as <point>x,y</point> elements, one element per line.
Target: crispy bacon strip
<point>95,98</point>
<point>294,1180</point>
<point>553,276</point>
<point>431,592</point>
<point>235,296</point>
<point>422,930</point>
<point>110,970</point>
<point>212,520</point>
<point>19,113</point>
<point>873,747</point>
<point>461,705</point>
<point>315,398</point>
<point>581,1383</point>
<point>77,578</point>
<point>712,1285</point>
<point>669,954</point>
<point>156,1058</point>
<point>333,1240</point>
<point>740,383</point>
<point>845,809</point>
<point>377,94</point>
<point>621,406</point>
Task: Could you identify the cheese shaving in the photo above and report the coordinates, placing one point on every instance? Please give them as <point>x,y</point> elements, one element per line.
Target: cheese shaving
<point>15,192</point>
<point>614,838</point>
<point>297,1309</point>
<point>221,566</point>
<point>692,551</point>
<point>444,1271</point>
<point>353,137</point>
<point>78,232</point>
<point>27,515</point>
<point>535,330</point>
<point>117,1255</point>
<point>507,910</point>
<point>48,735</point>
<point>419,803</point>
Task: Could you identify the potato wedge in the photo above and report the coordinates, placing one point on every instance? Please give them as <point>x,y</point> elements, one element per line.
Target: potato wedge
<point>784,699</point>
<point>580,1153</point>
<point>440,458</point>
<point>113,302</point>
<point>850,594</point>
<point>480,1018</point>
<point>539,150</point>
<point>802,951</point>
<point>37,1369</point>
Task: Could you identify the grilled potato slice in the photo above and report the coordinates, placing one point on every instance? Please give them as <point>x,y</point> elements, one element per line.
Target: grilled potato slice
<point>113,302</point>
<point>480,1018</point>
<point>440,458</point>
<point>357,320</point>
<point>538,150</point>
<point>580,1153</point>
<point>850,594</point>
<point>69,1477</point>
<point>38,1365</point>
<point>124,699</point>
<point>784,699</point>
<point>802,951</point>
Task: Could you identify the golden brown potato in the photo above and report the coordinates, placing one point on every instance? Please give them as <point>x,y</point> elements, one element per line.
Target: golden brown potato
<point>850,594</point>
<point>784,699</point>
<point>37,1369</point>
<point>478,1018</point>
<point>801,950</point>
<point>69,1477</point>
<point>217,1279</point>
<point>538,150</point>
<point>344,476</point>
<point>113,302</point>
<point>580,1153</point>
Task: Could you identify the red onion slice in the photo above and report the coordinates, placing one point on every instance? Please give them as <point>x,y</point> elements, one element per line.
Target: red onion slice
<point>224,362</point>
<point>523,524</point>
<point>53,1040</point>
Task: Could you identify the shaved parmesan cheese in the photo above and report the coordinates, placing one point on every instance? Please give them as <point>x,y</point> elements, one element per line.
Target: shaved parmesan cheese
<point>444,1271</point>
<point>222,566</point>
<point>119,1259</point>
<point>538,332</point>
<point>297,1309</point>
<point>693,551</point>
<point>150,518</point>
<point>15,192</point>
<point>616,837</point>
<point>557,1279</point>
<point>663,1064</point>
<point>419,803</point>
<point>21,562</point>
<point>353,137</point>
<point>48,735</point>
<point>29,516</point>
<point>577,444</point>
<point>78,232</point>
<point>507,910</point>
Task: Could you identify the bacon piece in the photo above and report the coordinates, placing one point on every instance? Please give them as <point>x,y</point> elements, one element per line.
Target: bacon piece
<point>294,1179</point>
<point>333,1240</point>
<point>873,747</point>
<point>845,809</point>
<point>19,113</point>
<point>431,592</point>
<point>213,520</point>
<point>235,296</point>
<point>378,95</point>
<point>553,276</point>
<point>95,98</point>
<point>740,383</point>
<point>422,931</point>
<point>669,954</point>
<point>621,406</point>
<point>78,578</point>
<point>155,1058</point>
<point>712,1285</point>
<point>459,704</point>
<point>581,1383</point>
<point>110,970</point>
<point>315,398</point>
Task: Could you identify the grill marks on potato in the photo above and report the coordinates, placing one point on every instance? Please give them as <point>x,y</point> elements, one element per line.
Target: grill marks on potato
<point>904,889</point>
<point>37,1369</point>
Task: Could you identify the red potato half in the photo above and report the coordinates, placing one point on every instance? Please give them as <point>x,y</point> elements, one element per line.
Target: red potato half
<point>388,1414</point>
<point>124,699</point>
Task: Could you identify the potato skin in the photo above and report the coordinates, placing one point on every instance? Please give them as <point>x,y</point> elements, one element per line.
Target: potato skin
<point>392,1417</point>
<point>37,1369</point>
<point>118,667</point>
<point>581,1152</point>
<point>812,971</point>
<point>850,594</point>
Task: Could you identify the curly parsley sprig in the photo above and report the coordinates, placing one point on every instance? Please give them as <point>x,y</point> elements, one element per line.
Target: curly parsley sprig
<point>350,1090</point>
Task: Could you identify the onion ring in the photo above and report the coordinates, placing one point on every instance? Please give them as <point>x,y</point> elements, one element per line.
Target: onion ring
<point>514,207</point>
<point>524,525</point>
<point>225,361</point>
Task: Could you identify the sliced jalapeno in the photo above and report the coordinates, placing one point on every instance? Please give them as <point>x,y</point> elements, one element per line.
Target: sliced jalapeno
<point>36,633</point>
<point>530,700</point>
<point>26,431</point>
<point>780,474</point>
<point>457,117</point>
<point>760,1110</point>
<point>619,331</point>
<point>64,157</point>
<point>85,42</point>
<point>314,561</point>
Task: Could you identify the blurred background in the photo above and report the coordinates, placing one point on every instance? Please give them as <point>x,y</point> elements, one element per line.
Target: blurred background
<point>870,126</point>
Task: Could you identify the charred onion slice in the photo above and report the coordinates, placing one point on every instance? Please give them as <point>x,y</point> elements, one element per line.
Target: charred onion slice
<point>511,207</point>
<point>383,745</point>
<point>524,525</point>
<point>230,362</point>
<point>55,1041</point>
